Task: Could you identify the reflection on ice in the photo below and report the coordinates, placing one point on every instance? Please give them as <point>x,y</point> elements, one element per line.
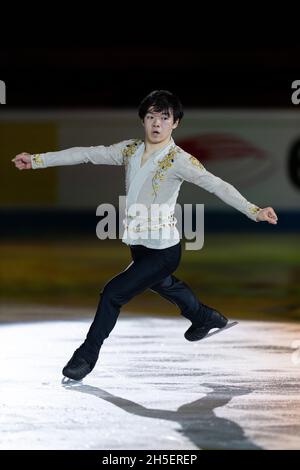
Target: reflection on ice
<point>237,389</point>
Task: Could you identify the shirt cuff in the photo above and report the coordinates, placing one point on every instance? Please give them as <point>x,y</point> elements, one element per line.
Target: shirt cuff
<point>38,161</point>
<point>253,211</point>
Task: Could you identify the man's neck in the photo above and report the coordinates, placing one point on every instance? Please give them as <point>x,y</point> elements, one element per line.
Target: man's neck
<point>152,147</point>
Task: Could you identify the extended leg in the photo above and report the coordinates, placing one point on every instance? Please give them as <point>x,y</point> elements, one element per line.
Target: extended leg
<point>203,317</point>
<point>180,294</point>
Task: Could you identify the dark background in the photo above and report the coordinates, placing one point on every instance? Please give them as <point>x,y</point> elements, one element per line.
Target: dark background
<point>120,74</point>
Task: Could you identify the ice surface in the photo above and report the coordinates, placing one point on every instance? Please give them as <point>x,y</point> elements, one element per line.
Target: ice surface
<point>151,389</point>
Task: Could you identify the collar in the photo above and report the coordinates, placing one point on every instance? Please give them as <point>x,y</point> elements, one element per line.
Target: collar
<point>161,152</point>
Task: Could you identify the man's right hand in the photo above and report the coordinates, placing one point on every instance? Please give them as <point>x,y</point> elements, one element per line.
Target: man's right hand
<point>23,161</point>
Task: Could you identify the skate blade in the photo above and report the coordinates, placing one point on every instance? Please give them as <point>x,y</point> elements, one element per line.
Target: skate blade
<point>67,381</point>
<point>229,325</point>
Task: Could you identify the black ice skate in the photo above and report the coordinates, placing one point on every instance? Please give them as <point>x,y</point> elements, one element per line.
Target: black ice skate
<point>77,367</point>
<point>212,319</point>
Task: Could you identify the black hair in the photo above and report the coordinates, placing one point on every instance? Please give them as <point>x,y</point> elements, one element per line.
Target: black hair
<point>161,101</point>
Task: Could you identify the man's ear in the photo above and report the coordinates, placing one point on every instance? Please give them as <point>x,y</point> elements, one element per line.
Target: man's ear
<point>142,121</point>
<point>175,124</point>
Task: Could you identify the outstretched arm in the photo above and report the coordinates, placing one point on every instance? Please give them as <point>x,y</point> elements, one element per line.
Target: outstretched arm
<point>110,155</point>
<point>190,169</point>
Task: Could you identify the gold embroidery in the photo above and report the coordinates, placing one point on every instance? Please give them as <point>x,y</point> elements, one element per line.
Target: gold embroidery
<point>150,225</point>
<point>138,228</point>
<point>196,162</point>
<point>163,166</point>
<point>37,159</point>
<point>130,149</point>
<point>254,209</point>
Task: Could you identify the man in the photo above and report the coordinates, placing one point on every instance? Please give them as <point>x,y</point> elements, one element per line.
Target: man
<point>154,170</point>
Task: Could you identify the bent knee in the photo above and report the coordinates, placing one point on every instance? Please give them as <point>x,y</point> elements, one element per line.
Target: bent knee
<point>114,293</point>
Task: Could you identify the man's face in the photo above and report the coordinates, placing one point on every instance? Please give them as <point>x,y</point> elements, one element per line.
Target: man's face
<point>159,126</point>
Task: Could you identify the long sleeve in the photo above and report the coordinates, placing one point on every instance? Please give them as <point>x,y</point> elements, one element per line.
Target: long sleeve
<point>190,169</point>
<point>110,155</point>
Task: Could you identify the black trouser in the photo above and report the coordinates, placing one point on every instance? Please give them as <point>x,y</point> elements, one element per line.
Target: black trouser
<point>150,269</point>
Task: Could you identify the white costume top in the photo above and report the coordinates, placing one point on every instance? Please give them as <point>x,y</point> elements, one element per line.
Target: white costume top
<point>157,182</point>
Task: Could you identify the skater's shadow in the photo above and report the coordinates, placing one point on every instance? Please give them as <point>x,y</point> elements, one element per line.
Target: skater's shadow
<point>197,419</point>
